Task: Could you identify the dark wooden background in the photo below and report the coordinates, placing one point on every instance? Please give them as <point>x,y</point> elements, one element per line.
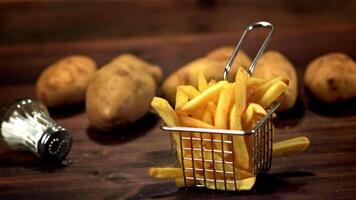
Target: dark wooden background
<point>171,33</point>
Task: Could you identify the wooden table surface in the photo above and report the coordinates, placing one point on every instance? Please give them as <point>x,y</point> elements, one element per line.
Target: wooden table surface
<point>114,165</point>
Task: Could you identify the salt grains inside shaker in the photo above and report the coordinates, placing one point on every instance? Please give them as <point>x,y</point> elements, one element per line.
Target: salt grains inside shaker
<point>26,124</point>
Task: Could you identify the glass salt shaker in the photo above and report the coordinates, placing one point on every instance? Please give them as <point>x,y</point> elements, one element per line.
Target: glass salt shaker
<point>26,125</point>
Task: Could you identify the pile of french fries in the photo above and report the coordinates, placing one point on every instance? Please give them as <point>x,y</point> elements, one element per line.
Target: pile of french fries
<point>215,104</point>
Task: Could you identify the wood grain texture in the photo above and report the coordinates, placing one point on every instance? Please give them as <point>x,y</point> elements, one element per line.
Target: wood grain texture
<point>45,21</point>
<point>114,165</point>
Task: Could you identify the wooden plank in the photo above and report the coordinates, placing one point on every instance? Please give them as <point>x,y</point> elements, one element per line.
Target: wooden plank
<point>24,63</point>
<point>46,21</point>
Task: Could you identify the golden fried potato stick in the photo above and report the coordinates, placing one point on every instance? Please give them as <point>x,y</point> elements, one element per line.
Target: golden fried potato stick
<point>189,90</point>
<point>181,98</point>
<point>165,172</point>
<point>212,109</point>
<point>241,155</point>
<point>193,122</point>
<point>223,107</point>
<point>290,146</point>
<point>169,116</point>
<point>165,111</point>
<point>273,93</point>
<point>208,117</point>
<point>261,89</point>
<point>202,83</point>
<point>240,90</point>
<point>202,99</point>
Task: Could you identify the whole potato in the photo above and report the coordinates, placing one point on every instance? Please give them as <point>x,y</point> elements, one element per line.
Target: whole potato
<point>65,81</point>
<point>120,92</point>
<point>212,66</point>
<point>154,70</point>
<point>332,77</point>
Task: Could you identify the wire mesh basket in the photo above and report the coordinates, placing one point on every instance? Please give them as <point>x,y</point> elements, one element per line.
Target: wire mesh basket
<point>208,156</point>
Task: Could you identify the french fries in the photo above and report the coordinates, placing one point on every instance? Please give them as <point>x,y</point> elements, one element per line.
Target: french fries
<point>221,105</point>
<point>202,99</point>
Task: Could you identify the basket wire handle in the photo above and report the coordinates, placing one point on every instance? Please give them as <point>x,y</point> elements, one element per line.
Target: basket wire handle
<point>241,41</point>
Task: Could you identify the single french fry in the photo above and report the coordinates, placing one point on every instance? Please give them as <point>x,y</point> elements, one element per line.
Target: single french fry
<point>165,172</point>
<point>247,118</point>
<point>189,90</point>
<point>193,122</point>
<point>242,157</point>
<point>207,116</point>
<point>181,98</point>
<point>235,120</point>
<point>202,99</point>
<point>202,83</point>
<point>273,93</point>
<point>165,111</point>
<point>169,116</point>
<point>290,146</point>
<point>223,107</point>
<point>240,90</point>
<point>262,89</point>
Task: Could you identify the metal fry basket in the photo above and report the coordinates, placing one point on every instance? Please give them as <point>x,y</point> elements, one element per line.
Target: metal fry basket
<point>208,157</point>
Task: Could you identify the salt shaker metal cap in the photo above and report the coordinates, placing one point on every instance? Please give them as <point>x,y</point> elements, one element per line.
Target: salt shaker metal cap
<point>26,124</point>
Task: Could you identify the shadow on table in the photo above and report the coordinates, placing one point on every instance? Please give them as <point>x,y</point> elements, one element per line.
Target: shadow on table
<point>25,159</point>
<point>266,184</point>
<point>339,109</point>
<point>66,111</point>
<point>124,135</point>
<point>292,116</point>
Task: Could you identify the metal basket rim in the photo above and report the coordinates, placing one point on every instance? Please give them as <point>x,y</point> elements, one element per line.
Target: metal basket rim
<point>272,109</point>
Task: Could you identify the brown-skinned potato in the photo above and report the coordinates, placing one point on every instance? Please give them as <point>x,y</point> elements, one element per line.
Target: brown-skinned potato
<point>332,77</point>
<point>65,81</point>
<point>120,92</point>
